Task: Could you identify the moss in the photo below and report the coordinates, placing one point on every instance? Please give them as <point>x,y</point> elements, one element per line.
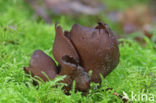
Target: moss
<point>20,35</point>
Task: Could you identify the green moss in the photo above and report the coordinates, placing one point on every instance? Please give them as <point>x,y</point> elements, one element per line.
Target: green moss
<point>20,35</point>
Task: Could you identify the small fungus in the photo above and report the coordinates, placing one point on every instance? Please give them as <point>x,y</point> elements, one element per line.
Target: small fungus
<point>77,52</point>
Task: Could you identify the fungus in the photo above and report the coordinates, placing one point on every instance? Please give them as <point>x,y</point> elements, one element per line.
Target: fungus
<point>77,52</point>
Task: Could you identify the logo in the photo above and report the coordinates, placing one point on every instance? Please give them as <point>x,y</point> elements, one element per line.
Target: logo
<point>139,97</point>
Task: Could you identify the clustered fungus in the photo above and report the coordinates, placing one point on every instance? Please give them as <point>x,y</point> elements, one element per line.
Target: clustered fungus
<point>77,52</point>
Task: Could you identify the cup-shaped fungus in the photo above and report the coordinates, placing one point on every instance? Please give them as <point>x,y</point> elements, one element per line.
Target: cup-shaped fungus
<point>77,52</point>
<point>97,48</point>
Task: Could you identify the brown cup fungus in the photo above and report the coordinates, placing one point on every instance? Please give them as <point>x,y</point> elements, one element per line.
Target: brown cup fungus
<point>77,52</point>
